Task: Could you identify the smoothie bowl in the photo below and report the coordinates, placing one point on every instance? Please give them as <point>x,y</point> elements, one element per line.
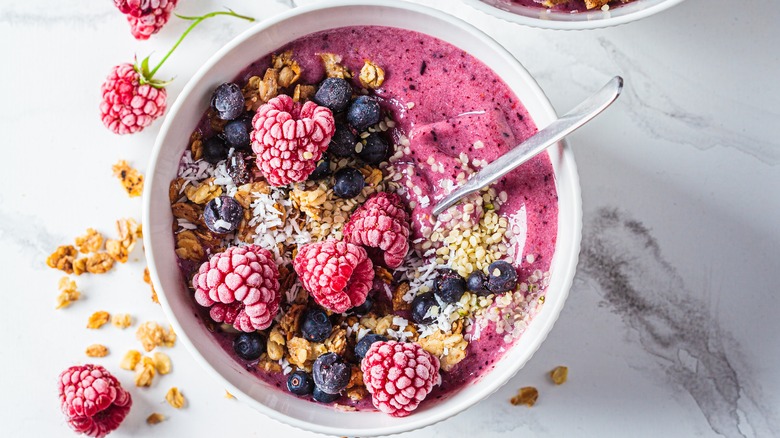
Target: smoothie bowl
<point>572,14</point>
<point>289,228</point>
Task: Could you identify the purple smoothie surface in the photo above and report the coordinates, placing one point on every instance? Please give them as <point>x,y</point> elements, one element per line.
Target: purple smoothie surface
<point>567,6</point>
<point>445,102</point>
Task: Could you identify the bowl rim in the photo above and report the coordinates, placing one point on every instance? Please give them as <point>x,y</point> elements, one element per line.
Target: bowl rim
<point>559,24</point>
<point>567,264</point>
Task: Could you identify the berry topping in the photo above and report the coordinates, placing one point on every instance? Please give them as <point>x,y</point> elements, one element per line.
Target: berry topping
<point>215,149</point>
<point>322,170</point>
<point>366,342</point>
<point>241,286</point>
<point>338,275</point>
<point>477,283</point>
<point>322,396</point>
<point>236,132</point>
<point>146,17</point>
<point>300,383</point>
<point>381,222</point>
<point>228,101</point>
<point>349,182</point>
<point>365,307</point>
<point>129,104</point>
<point>449,286</point>
<point>399,376</point>
<point>223,214</point>
<point>363,112</point>
<point>237,168</point>
<point>502,277</point>
<point>331,373</point>
<point>249,346</point>
<point>375,149</point>
<point>343,142</point>
<point>290,138</point>
<point>316,325</point>
<point>93,400</point>
<point>334,94</point>
<point>421,304</point>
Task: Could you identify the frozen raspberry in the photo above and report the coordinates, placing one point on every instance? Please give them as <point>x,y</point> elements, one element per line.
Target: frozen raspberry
<point>289,138</point>
<point>399,375</point>
<point>382,223</point>
<point>146,17</point>
<point>93,399</point>
<point>338,275</point>
<point>241,286</point>
<point>127,105</point>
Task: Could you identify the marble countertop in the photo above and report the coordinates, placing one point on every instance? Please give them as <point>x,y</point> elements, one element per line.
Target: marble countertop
<point>671,325</point>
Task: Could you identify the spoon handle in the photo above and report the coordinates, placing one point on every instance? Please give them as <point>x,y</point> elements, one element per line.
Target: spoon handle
<point>538,142</point>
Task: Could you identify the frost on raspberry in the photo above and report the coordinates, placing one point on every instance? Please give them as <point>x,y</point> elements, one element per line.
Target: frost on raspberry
<point>146,17</point>
<point>289,138</point>
<point>399,375</point>
<point>241,287</point>
<point>129,106</point>
<point>338,275</point>
<point>381,223</point>
<point>93,400</point>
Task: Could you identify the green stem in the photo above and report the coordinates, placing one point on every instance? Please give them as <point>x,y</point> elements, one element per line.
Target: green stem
<point>195,21</point>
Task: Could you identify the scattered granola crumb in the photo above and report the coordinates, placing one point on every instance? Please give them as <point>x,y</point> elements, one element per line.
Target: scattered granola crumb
<point>175,398</point>
<point>153,335</point>
<point>559,375</point>
<point>229,395</point>
<point>68,292</point>
<point>130,361</point>
<point>155,418</point>
<point>333,66</point>
<point>121,320</point>
<point>90,242</point>
<point>371,75</point>
<point>162,362</point>
<point>132,180</point>
<point>148,280</point>
<point>144,372</point>
<point>98,319</point>
<point>62,258</point>
<point>526,396</point>
<point>99,263</point>
<point>97,350</point>
<point>289,69</point>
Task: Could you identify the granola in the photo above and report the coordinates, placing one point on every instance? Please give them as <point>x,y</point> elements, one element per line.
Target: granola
<point>92,241</point>
<point>62,258</point>
<point>152,335</point>
<point>132,180</point>
<point>155,418</point>
<point>131,360</point>
<point>144,372</point>
<point>97,350</point>
<point>98,319</point>
<point>68,292</point>
<point>559,375</point>
<point>527,395</point>
<point>162,363</point>
<point>371,75</point>
<point>175,398</point>
<point>121,320</point>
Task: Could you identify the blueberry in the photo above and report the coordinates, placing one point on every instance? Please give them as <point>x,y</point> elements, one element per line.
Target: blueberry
<point>215,149</point>
<point>420,306</point>
<point>322,170</point>
<point>237,168</point>
<point>343,142</point>
<point>300,383</point>
<point>477,283</point>
<point>249,346</point>
<point>228,101</point>
<point>449,286</point>
<point>323,397</point>
<point>363,308</point>
<point>374,149</point>
<point>349,183</point>
<point>331,373</point>
<point>363,112</point>
<point>502,277</point>
<point>316,326</point>
<point>366,342</point>
<point>223,214</point>
<point>236,132</point>
<point>334,94</point>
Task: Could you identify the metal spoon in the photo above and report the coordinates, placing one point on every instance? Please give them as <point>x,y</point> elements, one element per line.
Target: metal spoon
<point>554,132</point>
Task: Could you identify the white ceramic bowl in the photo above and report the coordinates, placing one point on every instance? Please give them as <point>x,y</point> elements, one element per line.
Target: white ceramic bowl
<point>172,141</point>
<point>594,19</point>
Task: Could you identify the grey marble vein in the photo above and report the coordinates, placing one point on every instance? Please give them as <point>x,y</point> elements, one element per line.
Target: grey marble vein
<point>620,254</point>
<point>663,118</point>
<point>28,235</point>
<point>288,3</point>
<point>74,18</point>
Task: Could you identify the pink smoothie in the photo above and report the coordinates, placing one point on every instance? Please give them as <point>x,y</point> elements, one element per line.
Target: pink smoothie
<point>444,101</point>
<point>568,6</point>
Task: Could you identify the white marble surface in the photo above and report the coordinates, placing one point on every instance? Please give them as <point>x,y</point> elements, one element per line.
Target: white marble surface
<point>671,326</point>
